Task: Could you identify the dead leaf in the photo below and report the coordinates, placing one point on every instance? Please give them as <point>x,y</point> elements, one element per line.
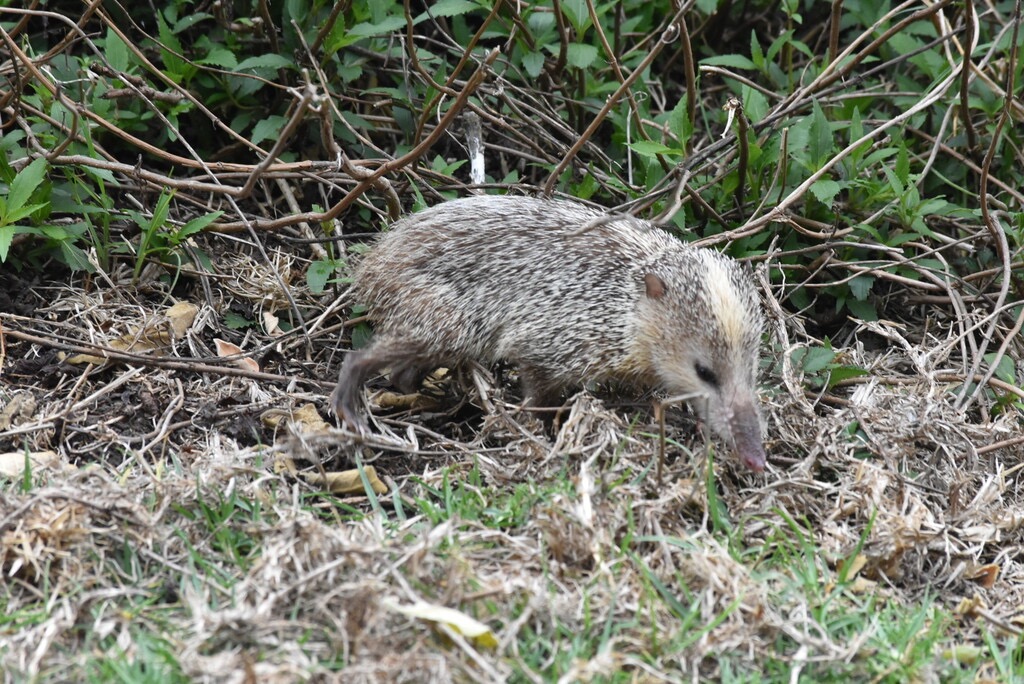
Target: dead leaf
<point>226,349</point>
<point>21,407</point>
<point>271,324</point>
<point>457,620</point>
<point>12,464</point>
<point>336,482</point>
<point>157,334</point>
<point>968,606</point>
<point>306,416</point>
<point>985,575</point>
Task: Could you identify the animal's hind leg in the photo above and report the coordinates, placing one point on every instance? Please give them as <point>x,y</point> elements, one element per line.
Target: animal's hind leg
<point>358,366</point>
<point>407,375</point>
<point>407,360</point>
<point>541,390</point>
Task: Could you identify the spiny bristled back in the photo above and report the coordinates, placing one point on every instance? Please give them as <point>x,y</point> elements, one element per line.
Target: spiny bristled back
<point>553,285</point>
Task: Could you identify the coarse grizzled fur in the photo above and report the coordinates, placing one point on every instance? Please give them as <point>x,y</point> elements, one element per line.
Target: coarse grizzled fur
<point>570,295</point>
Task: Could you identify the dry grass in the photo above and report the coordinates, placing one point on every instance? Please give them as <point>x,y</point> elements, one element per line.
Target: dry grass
<point>165,541</point>
<point>159,534</point>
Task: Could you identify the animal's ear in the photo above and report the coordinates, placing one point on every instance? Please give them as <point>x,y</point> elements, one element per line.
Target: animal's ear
<point>655,286</point>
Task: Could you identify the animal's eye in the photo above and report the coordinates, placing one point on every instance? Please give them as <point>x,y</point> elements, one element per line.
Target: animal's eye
<point>706,375</point>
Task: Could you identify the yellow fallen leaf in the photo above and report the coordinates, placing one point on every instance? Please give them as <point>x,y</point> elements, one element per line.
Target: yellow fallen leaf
<point>158,333</point>
<point>963,653</point>
<point>457,620</point>
<point>346,481</point>
<point>985,575</point>
<point>225,349</point>
<point>20,407</point>
<point>306,415</point>
<point>271,324</point>
<point>335,482</point>
<point>855,565</point>
<point>181,316</point>
<point>968,606</point>
<point>12,464</point>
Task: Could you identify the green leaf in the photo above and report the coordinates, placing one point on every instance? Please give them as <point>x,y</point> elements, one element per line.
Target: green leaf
<point>840,373</point>
<point>236,321</point>
<point>116,52</point>
<point>756,54</point>
<point>817,359</point>
<point>755,104</point>
<point>190,20</point>
<point>319,272</point>
<point>268,129</point>
<point>679,124</point>
<point>862,310</point>
<point>903,166</point>
<point>821,142</point>
<point>448,8</point>
<point>777,45</point>
<point>220,56</point>
<point>170,48</point>
<point>734,61</point>
<point>196,225</point>
<point>825,190</point>
<point>533,63</point>
<point>861,285</point>
<point>268,61</point>
<point>361,336</point>
<point>650,148</point>
<point>75,258</point>
<point>577,14</point>
<point>382,28</point>
<point>18,214</point>
<point>580,55</point>
<point>6,238</point>
<point>1006,370</point>
<point>24,185</point>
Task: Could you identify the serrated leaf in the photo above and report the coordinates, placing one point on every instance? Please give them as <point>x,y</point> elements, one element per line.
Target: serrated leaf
<point>580,55</point>
<point>170,48</point>
<point>236,321</point>
<point>825,190</point>
<point>318,273</point>
<point>448,8</point>
<point>865,311</point>
<point>650,148</point>
<point>6,238</point>
<point>577,14</point>
<point>1006,370</point>
<point>381,28</point>
<point>860,286</point>
<point>116,52</point>
<point>268,61</point>
<point>840,373</point>
<point>733,61</point>
<point>190,20</point>
<point>24,184</point>
<point>756,54</point>
<point>220,56</point>
<point>821,142</point>
<point>533,63</point>
<point>817,359</point>
<point>267,129</point>
<point>197,224</point>
<point>679,124</point>
<point>18,214</point>
<point>902,167</point>
<point>755,104</point>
